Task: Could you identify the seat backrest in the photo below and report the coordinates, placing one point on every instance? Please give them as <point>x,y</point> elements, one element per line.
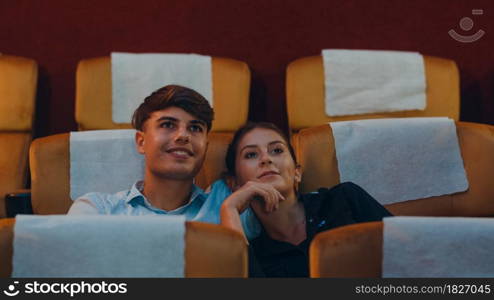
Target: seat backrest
<point>210,250</point>
<point>18,80</point>
<point>352,251</point>
<point>231,85</point>
<point>305,93</point>
<point>316,153</point>
<point>50,167</point>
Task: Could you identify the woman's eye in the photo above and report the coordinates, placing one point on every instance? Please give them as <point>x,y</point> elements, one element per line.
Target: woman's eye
<point>250,155</point>
<point>196,128</point>
<point>278,150</point>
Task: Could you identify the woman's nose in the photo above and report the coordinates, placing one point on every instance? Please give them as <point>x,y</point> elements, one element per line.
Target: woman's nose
<point>265,159</point>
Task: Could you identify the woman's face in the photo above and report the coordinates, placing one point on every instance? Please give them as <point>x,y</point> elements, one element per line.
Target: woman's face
<point>263,156</point>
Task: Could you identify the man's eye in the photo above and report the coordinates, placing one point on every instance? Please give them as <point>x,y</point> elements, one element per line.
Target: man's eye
<point>167,125</point>
<point>196,128</point>
<point>250,155</point>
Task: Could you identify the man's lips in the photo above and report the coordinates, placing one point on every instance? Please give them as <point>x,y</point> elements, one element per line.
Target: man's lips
<point>268,173</point>
<point>180,152</point>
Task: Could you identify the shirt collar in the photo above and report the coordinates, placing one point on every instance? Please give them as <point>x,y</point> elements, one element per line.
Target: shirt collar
<point>135,195</point>
<point>135,192</point>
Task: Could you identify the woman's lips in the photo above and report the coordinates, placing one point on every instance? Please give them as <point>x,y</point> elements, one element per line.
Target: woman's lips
<point>268,173</point>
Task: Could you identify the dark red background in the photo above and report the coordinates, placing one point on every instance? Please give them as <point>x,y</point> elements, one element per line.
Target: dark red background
<point>266,34</point>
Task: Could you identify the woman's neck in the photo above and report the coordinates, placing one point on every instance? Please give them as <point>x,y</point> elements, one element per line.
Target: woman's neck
<point>287,223</point>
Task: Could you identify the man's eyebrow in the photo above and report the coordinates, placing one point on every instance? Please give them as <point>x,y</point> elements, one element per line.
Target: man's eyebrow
<point>201,122</point>
<point>163,118</point>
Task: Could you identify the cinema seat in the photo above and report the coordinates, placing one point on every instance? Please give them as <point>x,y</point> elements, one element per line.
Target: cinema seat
<point>356,251</point>
<point>231,86</point>
<point>352,251</point>
<point>210,251</point>
<point>18,80</point>
<point>316,153</point>
<point>49,156</point>
<point>314,143</point>
<point>305,93</point>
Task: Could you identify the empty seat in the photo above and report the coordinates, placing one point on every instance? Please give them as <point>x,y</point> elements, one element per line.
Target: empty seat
<point>305,93</point>
<point>18,80</point>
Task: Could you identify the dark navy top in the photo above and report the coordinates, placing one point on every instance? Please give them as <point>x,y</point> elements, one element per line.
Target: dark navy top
<point>343,204</point>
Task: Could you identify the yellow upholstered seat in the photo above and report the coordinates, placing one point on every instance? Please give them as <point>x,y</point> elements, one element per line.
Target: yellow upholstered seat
<point>210,250</point>
<point>351,251</point>
<point>356,251</point>
<point>305,93</point>
<point>50,170</point>
<point>231,86</point>
<point>314,142</point>
<point>316,153</point>
<point>18,80</point>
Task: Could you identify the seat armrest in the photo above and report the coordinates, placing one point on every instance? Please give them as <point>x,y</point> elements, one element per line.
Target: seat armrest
<point>18,202</point>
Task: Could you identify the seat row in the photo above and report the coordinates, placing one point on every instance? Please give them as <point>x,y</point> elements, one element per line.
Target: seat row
<point>311,136</point>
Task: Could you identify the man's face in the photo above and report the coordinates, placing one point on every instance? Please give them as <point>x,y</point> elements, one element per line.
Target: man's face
<point>174,144</point>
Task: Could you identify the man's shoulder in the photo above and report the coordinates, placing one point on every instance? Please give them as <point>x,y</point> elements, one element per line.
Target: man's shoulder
<point>97,196</point>
<point>104,202</point>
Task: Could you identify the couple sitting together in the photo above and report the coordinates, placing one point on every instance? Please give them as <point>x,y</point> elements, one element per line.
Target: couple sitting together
<point>257,196</point>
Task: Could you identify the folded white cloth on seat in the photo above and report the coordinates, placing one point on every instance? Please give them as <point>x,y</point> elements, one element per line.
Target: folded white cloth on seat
<point>370,81</point>
<point>104,161</point>
<point>438,247</point>
<point>400,159</point>
<point>99,246</point>
<point>136,76</point>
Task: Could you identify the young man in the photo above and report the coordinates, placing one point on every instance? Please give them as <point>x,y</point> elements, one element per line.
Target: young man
<point>172,133</point>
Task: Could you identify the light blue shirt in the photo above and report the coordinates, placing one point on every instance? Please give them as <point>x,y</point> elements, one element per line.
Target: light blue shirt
<point>202,207</point>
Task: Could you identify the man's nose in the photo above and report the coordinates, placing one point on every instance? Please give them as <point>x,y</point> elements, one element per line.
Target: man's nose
<point>182,135</point>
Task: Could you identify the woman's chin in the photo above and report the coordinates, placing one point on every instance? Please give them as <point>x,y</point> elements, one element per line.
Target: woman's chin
<point>270,179</point>
<point>276,182</point>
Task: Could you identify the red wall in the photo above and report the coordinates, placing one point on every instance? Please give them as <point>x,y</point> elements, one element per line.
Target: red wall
<point>266,34</point>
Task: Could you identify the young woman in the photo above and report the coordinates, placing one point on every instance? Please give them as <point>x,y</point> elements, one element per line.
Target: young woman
<point>263,173</point>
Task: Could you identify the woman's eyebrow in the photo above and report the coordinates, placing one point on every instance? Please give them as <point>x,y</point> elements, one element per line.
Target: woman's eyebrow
<point>248,146</point>
<point>256,146</point>
<point>276,142</point>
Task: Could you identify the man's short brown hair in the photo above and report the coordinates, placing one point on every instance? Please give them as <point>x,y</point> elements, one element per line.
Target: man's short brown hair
<point>174,96</point>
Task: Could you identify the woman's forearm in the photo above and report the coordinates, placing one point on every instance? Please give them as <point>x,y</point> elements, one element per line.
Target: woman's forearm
<point>230,218</point>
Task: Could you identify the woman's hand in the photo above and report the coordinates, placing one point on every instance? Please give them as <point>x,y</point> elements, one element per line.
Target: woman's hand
<point>240,199</point>
<point>252,190</point>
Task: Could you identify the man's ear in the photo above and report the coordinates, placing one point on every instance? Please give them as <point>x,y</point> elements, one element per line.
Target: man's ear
<point>140,141</point>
